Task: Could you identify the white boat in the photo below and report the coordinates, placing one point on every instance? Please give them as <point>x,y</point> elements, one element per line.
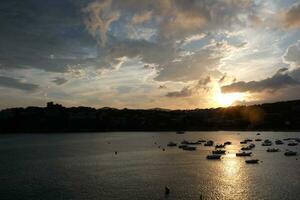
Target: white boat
<point>292,144</point>
<point>267,143</point>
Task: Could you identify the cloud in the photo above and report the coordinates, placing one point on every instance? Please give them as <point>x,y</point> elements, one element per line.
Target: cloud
<point>291,18</point>
<point>278,81</point>
<point>99,18</point>
<point>141,17</point>
<point>191,66</point>
<point>17,84</point>
<point>292,54</point>
<point>43,35</point>
<point>191,89</point>
<point>184,92</point>
<point>59,80</point>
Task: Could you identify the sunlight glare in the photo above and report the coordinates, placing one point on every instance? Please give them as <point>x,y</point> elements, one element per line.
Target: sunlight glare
<point>228,99</point>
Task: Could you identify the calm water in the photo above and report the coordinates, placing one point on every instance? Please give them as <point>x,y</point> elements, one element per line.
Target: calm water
<point>84,166</point>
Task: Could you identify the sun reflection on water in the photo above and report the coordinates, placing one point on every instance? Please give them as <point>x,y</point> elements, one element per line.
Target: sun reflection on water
<point>234,178</point>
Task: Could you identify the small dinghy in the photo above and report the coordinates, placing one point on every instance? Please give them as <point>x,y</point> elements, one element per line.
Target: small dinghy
<point>252,161</point>
<point>243,153</point>
<point>213,157</point>
<point>290,153</point>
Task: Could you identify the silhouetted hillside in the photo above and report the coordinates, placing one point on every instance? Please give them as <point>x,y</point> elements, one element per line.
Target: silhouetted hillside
<point>56,118</point>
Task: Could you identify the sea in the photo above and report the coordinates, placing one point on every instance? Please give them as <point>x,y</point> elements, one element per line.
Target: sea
<point>140,165</point>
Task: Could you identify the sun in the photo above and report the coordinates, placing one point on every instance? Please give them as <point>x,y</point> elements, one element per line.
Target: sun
<point>227,99</point>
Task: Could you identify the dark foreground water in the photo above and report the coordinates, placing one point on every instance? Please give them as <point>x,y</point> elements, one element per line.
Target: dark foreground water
<point>84,166</point>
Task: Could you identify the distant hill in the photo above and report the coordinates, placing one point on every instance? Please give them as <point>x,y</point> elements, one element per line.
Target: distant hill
<point>56,118</point>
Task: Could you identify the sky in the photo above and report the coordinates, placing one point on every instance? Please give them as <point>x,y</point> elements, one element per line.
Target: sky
<point>173,54</point>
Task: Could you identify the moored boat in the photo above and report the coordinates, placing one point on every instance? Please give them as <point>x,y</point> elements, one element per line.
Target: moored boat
<point>189,148</point>
<point>220,146</point>
<point>267,143</point>
<point>290,153</point>
<point>292,144</point>
<point>213,156</point>
<point>209,143</point>
<point>243,153</point>
<point>272,150</point>
<point>278,142</point>
<point>172,144</point>
<point>252,161</point>
<point>219,151</point>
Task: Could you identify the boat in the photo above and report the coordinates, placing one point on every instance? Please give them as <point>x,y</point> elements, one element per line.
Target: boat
<point>290,153</point>
<point>267,143</point>
<point>201,140</point>
<point>189,148</point>
<point>248,140</point>
<point>247,148</point>
<point>219,151</point>
<point>227,143</point>
<point>195,143</point>
<point>258,140</point>
<point>278,142</point>
<point>220,146</point>
<point>252,161</point>
<point>292,144</point>
<point>172,144</point>
<point>184,142</point>
<point>182,146</point>
<point>243,142</point>
<point>257,133</point>
<point>272,150</point>
<point>209,143</point>
<point>213,156</point>
<point>243,153</point>
<point>180,132</point>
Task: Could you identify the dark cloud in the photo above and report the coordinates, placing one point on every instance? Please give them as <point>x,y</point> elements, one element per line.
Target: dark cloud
<point>59,80</point>
<point>184,92</point>
<point>48,35</point>
<point>278,81</point>
<point>8,82</point>
<point>191,89</point>
<point>55,35</point>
